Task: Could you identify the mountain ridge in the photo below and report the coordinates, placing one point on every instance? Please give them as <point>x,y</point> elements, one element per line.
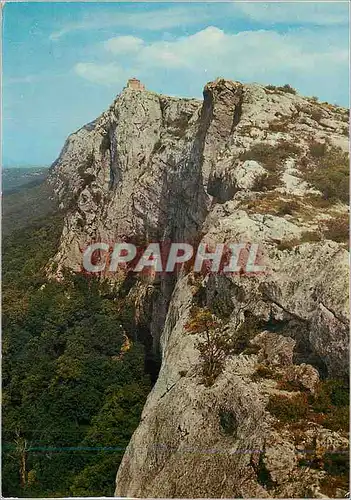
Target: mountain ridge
<point>249,163</point>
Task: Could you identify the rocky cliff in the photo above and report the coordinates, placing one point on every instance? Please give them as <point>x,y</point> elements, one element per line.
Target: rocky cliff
<point>248,163</point>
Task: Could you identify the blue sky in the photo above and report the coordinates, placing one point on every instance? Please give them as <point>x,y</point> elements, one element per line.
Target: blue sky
<point>64,63</point>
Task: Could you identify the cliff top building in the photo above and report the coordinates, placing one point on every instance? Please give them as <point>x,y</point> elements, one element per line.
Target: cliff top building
<point>135,84</point>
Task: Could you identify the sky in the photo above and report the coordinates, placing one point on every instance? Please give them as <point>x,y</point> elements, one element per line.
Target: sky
<point>64,63</point>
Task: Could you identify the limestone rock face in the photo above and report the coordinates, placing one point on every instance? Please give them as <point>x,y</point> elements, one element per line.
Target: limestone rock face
<point>231,168</point>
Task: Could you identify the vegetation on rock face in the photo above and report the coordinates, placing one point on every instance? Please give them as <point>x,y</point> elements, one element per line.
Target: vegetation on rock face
<point>329,406</point>
<point>272,158</point>
<point>264,371</point>
<point>72,394</point>
<point>338,229</point>
<point>335,229</point>
<point>274,203</point>
<point>331,403</point>
<point>288,408</point>
<point>336,467</point>
<point>327,169</point>
<point>267,181</point>
<point>284,88</point>
<point>244,333</point>
<point>215,344</point>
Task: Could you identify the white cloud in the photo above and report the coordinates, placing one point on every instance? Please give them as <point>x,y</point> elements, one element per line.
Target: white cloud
<point>123,45</point>
<point>307,59</point>
<point>248,53</point>
<point>103,74</point>
<point>156,20</point>
<point>319,13</point>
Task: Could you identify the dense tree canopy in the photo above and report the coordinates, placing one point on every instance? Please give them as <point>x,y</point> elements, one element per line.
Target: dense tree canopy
<point>72,392</point>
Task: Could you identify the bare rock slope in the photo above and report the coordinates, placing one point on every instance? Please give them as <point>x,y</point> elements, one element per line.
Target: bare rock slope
<point>249,163</point>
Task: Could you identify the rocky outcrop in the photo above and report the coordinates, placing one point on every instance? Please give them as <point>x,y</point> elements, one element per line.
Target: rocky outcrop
<point>119,176</point>
<point>230,168</point>
<point>198,441</point>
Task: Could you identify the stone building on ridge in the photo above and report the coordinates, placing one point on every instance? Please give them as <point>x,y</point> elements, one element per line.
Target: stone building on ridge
<point>135,84</point>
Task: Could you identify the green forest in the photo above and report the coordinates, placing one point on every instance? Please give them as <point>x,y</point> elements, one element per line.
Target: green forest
<point>74,383</point>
